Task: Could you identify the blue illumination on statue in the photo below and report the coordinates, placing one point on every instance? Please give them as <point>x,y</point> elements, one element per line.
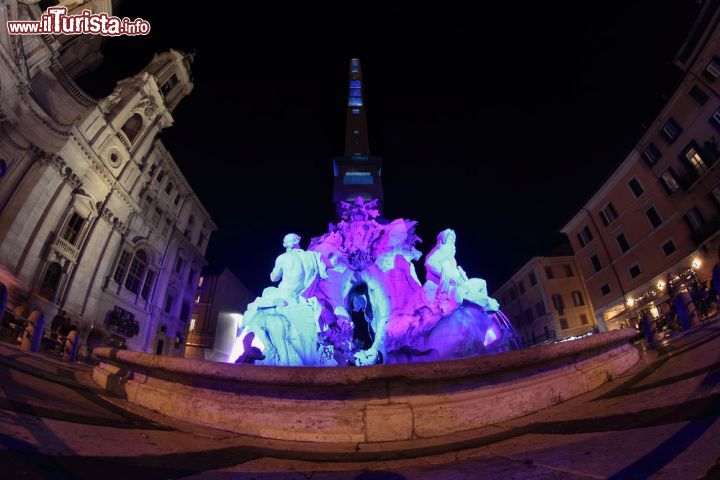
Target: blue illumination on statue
<point>353,298</point>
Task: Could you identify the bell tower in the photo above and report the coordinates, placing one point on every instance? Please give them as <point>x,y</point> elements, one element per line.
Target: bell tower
<point>172,72</point>
<point>357,173</point>
<point>131,117</point>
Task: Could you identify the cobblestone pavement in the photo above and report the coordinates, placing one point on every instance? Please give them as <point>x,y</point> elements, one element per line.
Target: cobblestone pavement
<point>659,420</point>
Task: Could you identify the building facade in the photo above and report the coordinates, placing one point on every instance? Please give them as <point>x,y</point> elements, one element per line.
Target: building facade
<point>219,304</point>
<point>95,216</point>
<point>547,300</point>
<point>655,221</point>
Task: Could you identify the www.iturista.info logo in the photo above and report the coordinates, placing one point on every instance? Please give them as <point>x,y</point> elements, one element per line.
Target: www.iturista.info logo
<point>56,21</point>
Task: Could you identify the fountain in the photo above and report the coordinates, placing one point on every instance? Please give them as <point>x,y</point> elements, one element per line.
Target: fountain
<point>407,365</point>
<point>351,349</point>
<point>354,298</point>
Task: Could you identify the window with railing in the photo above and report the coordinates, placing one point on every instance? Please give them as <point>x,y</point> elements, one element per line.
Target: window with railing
<point>72,229</point>
<point>693,157</point>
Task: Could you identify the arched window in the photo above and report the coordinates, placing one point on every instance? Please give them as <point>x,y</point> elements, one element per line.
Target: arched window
<point>132,127</point>
<point>51,280</point>
<point>136,271</point>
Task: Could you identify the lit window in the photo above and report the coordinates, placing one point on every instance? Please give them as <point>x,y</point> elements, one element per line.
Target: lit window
<point>354,83</point>
<point>197,299</point>
<point>356,111</point>
<point>193,320</point>
<point>355,102</point>
<point>201,280</point>
<point>693,157</point>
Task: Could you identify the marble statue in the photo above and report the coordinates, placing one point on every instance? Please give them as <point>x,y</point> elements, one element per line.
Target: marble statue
<point>354,298</point>
<point>447,283</point>
<point>283,318</point>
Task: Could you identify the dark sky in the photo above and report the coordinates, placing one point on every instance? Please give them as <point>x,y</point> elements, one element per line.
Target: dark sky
<point>498,121</point>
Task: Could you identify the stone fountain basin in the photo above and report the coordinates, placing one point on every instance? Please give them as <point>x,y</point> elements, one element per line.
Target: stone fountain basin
<point>382,403</point>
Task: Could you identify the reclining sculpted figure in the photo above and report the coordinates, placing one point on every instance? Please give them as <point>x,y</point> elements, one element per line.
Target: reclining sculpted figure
<point>447,283</point>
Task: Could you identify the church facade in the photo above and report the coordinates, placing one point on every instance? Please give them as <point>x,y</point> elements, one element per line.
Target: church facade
<point>96,218</point>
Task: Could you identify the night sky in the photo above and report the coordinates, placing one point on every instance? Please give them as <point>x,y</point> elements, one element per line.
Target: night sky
<point>499,122</point>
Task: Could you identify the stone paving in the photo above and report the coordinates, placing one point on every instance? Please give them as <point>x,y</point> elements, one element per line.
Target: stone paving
<point>659,420</point>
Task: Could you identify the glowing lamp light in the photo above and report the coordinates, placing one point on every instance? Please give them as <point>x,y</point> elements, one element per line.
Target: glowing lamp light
<point>630,301</point>
<point>696,263</point>
<point>490,337</point>
<point>660,285</point>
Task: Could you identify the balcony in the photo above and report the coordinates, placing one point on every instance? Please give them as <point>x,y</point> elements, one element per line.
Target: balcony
<point>65,248</point>
<point>710,228</point>
<point>709,154</point>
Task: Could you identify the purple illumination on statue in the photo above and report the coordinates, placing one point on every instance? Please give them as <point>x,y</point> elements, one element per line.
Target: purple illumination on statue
<point>354,298</point>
